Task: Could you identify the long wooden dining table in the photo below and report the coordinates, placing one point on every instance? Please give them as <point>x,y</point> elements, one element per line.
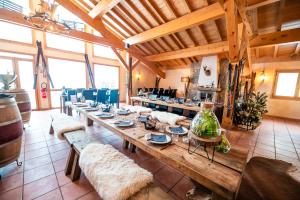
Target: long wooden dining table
<point>222,176</point>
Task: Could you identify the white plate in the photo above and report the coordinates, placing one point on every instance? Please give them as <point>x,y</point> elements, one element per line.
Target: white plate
<point>131,123</point>
<point>123,112</point>
<point>105,115</point>
<point>185,130</point>
<point>168,140</point>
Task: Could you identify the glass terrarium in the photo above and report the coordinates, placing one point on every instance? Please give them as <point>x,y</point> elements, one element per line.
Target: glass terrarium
<point>205,124</point>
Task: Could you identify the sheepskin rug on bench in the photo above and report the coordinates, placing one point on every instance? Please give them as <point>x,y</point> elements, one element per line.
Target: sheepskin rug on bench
<point>113,175</point>
<point>62,124</point>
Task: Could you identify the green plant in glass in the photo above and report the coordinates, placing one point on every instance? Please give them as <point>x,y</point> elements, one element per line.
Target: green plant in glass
<point>205,123</point>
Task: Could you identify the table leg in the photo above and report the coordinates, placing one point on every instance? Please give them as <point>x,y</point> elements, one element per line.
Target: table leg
<point>89,122</point>
<point>132,148</point>
<point>70,162</point>
<point>69,111</point>
<point>125,144</point>
<point>76,171</point>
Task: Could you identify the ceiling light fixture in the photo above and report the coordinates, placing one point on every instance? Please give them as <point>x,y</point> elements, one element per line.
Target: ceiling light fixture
<point>45,18</point>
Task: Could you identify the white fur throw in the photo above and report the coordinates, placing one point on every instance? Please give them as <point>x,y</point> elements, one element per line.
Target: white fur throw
<point>61,126</point>
<point>113,175</point>
<point>166,117</point>
<point>138,109</point>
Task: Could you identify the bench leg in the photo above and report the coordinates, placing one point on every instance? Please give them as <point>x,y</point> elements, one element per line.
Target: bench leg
<point>125,144</point>
<point>76,171</point>
<point>132,148</point>
<point>69,111</point>
<point>70,162</point>
<point>89,122</point>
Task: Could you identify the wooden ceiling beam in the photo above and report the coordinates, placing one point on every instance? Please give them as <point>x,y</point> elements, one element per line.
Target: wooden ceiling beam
<point>241,6</point>
<point>276,60</point>
<point>103,7</point>
<point>260,4</point>
<point>18,19</point>
<point>232,30</point>
<point>99,26</point>
<point>280,37</point>
<point>200,16</point>
<point>275,51</point>
<point>202,50</point>
<point>120,59</point>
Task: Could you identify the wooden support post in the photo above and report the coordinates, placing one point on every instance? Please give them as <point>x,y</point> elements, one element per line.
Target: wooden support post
<point>233,43</point>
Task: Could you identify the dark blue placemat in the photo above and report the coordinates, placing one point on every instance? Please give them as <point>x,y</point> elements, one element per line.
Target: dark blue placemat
<point>176,129</point>
<point>158,138</point>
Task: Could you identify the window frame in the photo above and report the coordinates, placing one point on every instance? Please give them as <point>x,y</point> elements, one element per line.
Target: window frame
<point>32,44</point>
<point>15,62</point>
<point>63,50</point>
<point>297,89</point>
<point>58,89</point>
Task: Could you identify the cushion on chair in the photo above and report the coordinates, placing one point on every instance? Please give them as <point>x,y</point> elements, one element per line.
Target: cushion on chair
<point>113,175</point>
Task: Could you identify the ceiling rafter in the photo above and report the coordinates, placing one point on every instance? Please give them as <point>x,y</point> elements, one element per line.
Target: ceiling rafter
<point>158,15</point>
<point>119,8</point>
<point>211,12</point>
<point>202,50</point>
<point>99,26</point>
<point>171,8</point>
<point>279,37</point>
<point>103,7</point>
<point>142,16</point>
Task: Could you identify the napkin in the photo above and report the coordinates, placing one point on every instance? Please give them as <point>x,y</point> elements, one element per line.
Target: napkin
<point>176,129</point>
<point>158,138</point>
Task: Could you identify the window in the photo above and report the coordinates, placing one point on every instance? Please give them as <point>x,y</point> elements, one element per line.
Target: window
<point>103,51</point>
<point>6,67</point>
<point>287,84</point>
<point>64,43</point>
<point>70,74</point>
<point>15,33</point>
<point>106,76</point>
<point>26,80</point>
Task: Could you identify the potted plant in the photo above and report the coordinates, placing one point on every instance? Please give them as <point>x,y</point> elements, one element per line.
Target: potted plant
<point>249,111</point>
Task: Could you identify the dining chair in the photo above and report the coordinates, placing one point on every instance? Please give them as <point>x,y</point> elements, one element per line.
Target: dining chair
<point>160,92</point>
<point>89,94</point>
<point>102,96</point>
<point>69,93</point>
<point>155,91</point>
<point>114,97</point>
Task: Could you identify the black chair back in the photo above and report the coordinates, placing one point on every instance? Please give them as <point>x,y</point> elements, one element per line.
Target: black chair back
<point>155,91</point>
<point>161,92</point>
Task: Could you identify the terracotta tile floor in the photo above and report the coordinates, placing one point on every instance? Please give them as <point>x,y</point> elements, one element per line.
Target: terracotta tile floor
<point>42,177</point>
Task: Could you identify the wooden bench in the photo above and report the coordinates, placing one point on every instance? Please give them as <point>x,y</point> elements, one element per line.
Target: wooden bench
<point>151,191</point>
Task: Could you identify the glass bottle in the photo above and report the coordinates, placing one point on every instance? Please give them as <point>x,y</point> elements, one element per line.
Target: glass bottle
<point>205,123</point>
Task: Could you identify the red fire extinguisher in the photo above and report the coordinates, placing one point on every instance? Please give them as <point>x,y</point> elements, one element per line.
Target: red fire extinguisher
<point>44,90</point>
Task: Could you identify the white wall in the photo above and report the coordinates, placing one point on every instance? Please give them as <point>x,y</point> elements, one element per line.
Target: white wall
<point>173,80</point>
<point>277,107</point>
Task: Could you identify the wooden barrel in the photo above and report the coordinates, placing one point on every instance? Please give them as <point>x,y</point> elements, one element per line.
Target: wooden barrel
<point>23,102</point>
<point>11,130</point>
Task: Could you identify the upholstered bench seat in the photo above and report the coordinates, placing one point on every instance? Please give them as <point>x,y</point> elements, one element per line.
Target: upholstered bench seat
<point>113,175</point>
